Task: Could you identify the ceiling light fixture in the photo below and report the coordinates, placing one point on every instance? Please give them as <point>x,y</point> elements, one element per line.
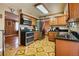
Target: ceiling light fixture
<point>42,8</point>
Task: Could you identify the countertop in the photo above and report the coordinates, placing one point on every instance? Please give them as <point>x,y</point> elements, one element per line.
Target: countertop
<point>53,31</point>
<point>66,38</point>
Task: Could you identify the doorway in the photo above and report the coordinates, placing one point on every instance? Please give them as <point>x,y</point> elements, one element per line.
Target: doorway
<point>11,33</point>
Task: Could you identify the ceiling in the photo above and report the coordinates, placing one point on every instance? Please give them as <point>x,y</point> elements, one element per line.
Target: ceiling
<point>30,9</point>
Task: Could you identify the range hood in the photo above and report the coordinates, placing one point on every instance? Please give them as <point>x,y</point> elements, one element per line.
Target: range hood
<point>73,24</point>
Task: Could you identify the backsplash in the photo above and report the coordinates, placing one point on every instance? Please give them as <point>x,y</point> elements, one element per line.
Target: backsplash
<point>53,28</point>
<point>75,29</point>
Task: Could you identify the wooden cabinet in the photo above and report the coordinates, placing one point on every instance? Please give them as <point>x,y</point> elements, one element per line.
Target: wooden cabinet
<point>52,36</point>
<point>61,20</point>
<point>54,22</point>
<point>36,35</point>
<point>67,48</point>
<point>33,21</point>
<point>73,10</point>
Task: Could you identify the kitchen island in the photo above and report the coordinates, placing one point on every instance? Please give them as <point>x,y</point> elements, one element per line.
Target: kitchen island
<point>67,46</point>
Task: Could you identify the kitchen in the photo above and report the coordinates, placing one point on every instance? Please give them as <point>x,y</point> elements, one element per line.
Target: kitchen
<point>53,33</point>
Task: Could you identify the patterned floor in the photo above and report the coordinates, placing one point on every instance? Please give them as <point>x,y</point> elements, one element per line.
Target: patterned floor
<point>38,48</point>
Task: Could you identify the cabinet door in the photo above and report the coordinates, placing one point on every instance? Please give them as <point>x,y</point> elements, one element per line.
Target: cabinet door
<point>54,22</point>
<point>52,36</point>
<point>33,22</point>
<point>61,20</point>
<point>36,36</point>
<point>73,10</point>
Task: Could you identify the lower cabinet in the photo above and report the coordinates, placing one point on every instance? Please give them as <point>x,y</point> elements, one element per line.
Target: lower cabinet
<point>67,48</point>
<point>52,36</point>
<point>36,35</point>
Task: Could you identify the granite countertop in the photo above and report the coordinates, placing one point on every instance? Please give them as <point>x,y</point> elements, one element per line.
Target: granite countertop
<point>66,38</point>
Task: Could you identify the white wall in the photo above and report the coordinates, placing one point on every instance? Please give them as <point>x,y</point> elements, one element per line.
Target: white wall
<point>2,23</point>
<point>0,40</point>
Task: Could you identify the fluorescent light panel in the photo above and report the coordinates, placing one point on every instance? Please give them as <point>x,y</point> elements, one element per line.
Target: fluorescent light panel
<point>42,9</point>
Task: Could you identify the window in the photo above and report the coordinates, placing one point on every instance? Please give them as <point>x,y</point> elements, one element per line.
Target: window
<point>16,26</point>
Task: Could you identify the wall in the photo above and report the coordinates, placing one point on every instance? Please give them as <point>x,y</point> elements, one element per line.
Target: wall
<point>2,19</point>
<point>2,23</point>
<point>0,40</point>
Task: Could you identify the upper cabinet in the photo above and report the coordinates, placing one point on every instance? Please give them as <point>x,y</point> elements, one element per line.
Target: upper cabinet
<point>53,21</point>
<point>61,20</point>
<point>73,9</point>
<point>33,21</point>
